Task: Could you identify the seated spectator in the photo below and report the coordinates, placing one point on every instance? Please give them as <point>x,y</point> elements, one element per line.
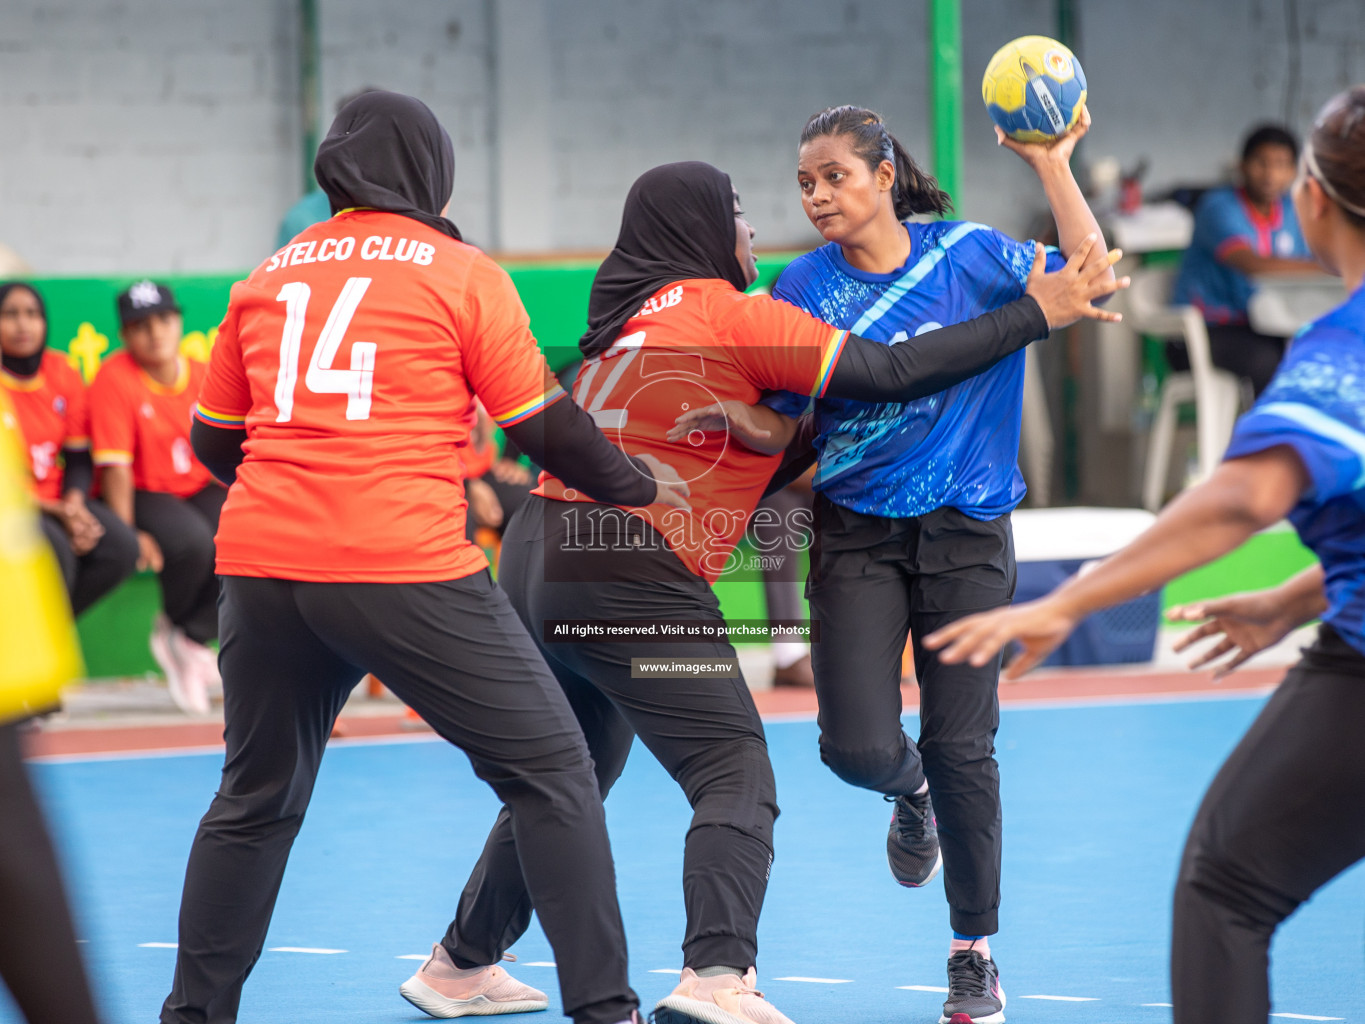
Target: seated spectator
<point>1239,232</point>
<point>140,408</point>
<point>94,549</point>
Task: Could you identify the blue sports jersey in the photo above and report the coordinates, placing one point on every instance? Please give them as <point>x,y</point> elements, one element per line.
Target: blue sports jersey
<point>1225,220</point>
<point>1316,405</point>
<point>957,448</point>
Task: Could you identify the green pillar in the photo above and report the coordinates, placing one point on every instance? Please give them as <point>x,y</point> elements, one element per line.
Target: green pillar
<point>945,94</point>
<point>309,98</point>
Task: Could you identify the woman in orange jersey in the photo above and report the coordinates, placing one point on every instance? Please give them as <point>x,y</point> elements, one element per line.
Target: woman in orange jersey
<point>671,332</point>
<point>336,404</point>
<point>140,408</point>
<point>94,549</point>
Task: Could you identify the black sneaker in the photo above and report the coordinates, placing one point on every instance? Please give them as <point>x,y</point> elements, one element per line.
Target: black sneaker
<point>912,842</point>
<point>974,992</point>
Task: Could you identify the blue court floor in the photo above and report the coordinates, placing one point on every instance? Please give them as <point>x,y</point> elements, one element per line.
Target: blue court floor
<point>1097,802</point>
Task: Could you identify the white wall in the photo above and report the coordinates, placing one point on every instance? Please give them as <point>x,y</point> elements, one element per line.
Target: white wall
<point>163,135</point>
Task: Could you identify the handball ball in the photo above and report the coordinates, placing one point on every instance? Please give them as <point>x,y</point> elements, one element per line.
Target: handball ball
<point>1034,89</point>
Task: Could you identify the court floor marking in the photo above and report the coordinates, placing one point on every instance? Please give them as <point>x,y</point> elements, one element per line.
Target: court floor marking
<point>797,978</point>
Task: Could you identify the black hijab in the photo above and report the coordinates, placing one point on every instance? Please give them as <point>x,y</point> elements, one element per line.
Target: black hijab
<point>678,224</point>
<point>386,151</point>
<point>24,366</point>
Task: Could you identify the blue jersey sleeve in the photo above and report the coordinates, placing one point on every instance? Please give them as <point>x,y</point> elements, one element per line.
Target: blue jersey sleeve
<point>1311,408</point>
<point>1219,224</point>
<point>788,403</point>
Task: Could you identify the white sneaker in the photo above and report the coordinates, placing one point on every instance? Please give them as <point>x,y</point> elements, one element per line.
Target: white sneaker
<point>200,658</point>
<point>184,681</point>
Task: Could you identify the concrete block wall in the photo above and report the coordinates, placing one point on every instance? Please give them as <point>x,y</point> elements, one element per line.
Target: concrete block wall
<point>164,136</point>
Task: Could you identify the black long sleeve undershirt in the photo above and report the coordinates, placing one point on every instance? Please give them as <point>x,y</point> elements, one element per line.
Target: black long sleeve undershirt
<point>78,470</point>
<point>869,371</point>
<point>562,439</point>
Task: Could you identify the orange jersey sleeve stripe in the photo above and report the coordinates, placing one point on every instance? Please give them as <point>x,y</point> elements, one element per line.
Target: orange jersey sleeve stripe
<point>112,457</point>
<point>218,419</point>
<point>528,409</point>
<point>833,350</point>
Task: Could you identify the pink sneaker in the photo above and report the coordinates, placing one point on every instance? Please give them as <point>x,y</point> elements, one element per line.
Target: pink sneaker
<point>724,999</point>
<point>444,990</point>
<point>183,680</point>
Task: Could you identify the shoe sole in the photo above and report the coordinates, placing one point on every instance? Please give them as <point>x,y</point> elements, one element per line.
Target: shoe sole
<point>933,873</point>
<point>428,1000</point>
<point>998,1017</point>
<point>681,1010</point>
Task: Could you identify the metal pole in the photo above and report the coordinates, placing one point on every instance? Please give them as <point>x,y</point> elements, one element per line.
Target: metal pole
<point>309,98</point>
<point>945,91</point>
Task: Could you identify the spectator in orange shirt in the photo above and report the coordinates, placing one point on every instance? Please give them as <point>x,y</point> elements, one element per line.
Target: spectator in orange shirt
<point>94,549</point>
<point>140,409</point>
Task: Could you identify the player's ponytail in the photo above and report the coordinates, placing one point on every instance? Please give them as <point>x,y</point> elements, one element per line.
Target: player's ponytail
<point>914,191</point>
<point>1335,153</point>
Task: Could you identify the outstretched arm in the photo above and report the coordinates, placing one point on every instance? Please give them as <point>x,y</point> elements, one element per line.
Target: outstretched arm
<point>1242,496</point>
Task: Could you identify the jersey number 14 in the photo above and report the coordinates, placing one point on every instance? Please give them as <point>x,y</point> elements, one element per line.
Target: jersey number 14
<point>322,378</point>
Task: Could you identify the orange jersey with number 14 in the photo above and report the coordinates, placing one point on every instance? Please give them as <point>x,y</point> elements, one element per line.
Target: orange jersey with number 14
<point>353,357</point>
<point>693,344</point>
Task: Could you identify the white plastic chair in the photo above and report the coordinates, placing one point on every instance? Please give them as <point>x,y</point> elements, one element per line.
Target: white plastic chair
<point>1216,394</point>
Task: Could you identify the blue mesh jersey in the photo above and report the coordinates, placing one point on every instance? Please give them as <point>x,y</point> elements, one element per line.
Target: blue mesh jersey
<point>957,448</point>
<point>1225,220</point>
<point>1316,405</point>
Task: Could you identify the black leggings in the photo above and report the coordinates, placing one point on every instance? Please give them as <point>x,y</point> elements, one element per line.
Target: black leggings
<point>456,653</point>
<point>873,580</point>
<point>184,528</point>
<point>92,575</point>
<point>705,732</point>
<point>39,961</point>
<point>1284,816</point>
<point>1237,349</point>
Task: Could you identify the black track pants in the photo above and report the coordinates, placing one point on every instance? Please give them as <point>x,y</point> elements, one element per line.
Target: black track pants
<point>872,580</point>
<point>705,732</point>
<point>92,575</point>
<point>456,653</point>
<point>184,528</point>
<point>1284,816</point>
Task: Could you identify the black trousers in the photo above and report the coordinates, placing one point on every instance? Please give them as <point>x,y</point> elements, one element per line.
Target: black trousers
<point>455,652</point>
<point>873,580</point>
<point>184,529</point>
<point>92,575</point>
<point>39,961</point>
<point>705,732</point>
<point>1284,815</point>
<point>782,532</point>
<point>1237,349</point>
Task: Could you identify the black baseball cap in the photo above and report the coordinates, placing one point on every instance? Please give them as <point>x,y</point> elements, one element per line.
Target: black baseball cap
<point>143,298</point>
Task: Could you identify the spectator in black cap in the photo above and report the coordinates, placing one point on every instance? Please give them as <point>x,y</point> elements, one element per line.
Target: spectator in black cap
<point>140,409</point>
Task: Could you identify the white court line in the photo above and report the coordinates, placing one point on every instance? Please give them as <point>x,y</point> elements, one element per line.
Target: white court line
<point>1066,999</point>
<point>539,963</point>
<point>158,945</point>
<point>305,949</point>
<point>923,988</point>
<point>819,981</point>
<point>412,956</point>
<point>1304,1016</point>
<point>665,970</point>
<point>1167,1005</point>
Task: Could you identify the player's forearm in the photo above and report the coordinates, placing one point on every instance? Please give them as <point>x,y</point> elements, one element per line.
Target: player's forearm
<point>781,429</point>
<point>78,472</point>
<point>1074,218</point>
<point>928,363</point>
<point>1204,523</point>
<point>1303,596</point>
<point>565,442</point>
<point>116,487</point>
<point>1248,262</point>
<point>219,449</point>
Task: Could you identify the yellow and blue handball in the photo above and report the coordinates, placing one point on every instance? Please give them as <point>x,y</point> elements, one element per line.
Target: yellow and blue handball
<point>1034,89</point>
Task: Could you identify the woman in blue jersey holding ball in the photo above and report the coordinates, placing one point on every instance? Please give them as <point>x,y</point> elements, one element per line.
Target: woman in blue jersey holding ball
<point>912,509</point>
<point>1283,816</point>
